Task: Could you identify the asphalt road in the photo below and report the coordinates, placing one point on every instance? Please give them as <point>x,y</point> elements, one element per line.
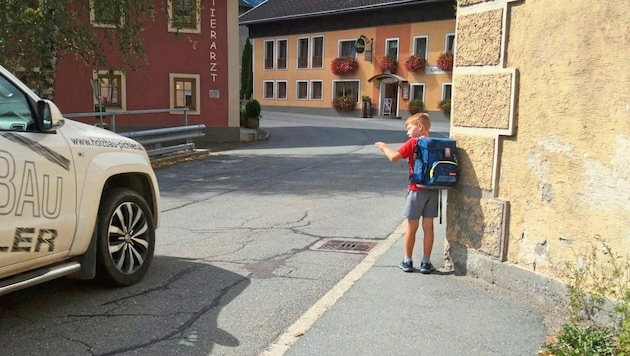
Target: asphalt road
<point>236,262</point>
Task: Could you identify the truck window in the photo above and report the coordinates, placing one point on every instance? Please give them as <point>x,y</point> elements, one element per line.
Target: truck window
<point>15,113</point>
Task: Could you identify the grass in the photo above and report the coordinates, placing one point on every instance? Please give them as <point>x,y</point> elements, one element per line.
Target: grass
<point>599,286</point>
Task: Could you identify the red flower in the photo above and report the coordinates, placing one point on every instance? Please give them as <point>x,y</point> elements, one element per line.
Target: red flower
<point>388,63</point>
<point>344,65</point>
<point>345,102</point>
<point>445,61</point>
<point>415,63</point>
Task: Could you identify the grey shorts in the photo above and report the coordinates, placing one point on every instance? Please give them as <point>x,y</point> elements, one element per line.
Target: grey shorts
<point>421,203</point>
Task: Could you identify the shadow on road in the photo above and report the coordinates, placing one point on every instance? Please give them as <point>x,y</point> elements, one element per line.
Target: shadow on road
<point>173,310</point>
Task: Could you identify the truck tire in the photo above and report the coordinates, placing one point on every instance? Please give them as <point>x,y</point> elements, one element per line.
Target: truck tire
<point>125,237</point>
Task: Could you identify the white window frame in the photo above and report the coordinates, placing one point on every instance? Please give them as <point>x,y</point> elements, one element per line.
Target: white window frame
<point>426,49</point>
<point>171,86</point>
<point>444,85</point>
<point>308,53</point>
<point>313,51</point>
<point>311,91</point>
<point>273,88</point>
<point>273,55</point>
<point>354,52</point>
<point>413,91</point>
<point>277,54</point>
<point>297,89</point>
<point>286,89</point>
<point>387,41</point>
<point>123,89</point>
<point>172,28</point>
<point>358,94</point>
<point>93,21</point>
<point>447,39</point>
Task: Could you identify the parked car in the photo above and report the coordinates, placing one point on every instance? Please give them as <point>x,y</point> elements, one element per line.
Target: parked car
<point>75,200</point>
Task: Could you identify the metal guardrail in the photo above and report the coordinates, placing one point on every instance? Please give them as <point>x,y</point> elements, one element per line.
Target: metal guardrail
<point>157,137</point>
<point>154,137</point>
<point>112,124</point>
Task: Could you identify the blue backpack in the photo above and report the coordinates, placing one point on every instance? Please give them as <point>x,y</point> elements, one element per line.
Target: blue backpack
<point>435,165</point>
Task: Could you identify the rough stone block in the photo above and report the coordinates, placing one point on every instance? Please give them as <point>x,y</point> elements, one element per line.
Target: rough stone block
<point>475,156</point>
<point>477,223</point>
<point>479,38</point>
<point>483,100</point>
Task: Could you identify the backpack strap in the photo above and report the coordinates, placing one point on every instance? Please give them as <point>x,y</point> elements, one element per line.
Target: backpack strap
<point>416,154</point>
<point>440,200</point>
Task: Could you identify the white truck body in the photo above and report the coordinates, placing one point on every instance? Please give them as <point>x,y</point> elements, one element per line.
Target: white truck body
<point>56,176</point>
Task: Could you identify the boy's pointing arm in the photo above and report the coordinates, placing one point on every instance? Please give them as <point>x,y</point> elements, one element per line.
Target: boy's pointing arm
<point>391,154</point>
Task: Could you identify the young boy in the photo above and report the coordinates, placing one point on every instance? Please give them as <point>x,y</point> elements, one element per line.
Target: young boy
<point>420,202</point>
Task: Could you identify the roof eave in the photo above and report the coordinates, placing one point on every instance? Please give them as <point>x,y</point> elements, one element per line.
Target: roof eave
<point>324,13</point>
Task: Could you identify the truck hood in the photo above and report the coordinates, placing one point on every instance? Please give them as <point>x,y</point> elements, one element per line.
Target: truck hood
<point>89,130</point>
<point>87,136</point>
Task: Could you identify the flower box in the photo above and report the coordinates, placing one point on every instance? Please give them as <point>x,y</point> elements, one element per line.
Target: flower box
<point>344,65</point>
<point>445,61</point>
<point>415,63</point>
<point>388,64</point>
<point>415,106</point>
<point>345,102</point>
<point>445,105</point>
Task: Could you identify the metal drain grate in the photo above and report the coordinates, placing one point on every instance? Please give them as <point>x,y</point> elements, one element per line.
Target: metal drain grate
<point>352,246</point>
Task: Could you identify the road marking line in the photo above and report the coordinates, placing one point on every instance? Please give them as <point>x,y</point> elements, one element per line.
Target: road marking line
<point>284,342</point>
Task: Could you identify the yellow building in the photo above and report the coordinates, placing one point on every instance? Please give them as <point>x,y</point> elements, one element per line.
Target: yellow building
<point>541,114</point>
<point>300,54</point>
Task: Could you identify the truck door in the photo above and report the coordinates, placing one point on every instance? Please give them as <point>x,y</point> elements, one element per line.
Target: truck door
<point>37,187</point>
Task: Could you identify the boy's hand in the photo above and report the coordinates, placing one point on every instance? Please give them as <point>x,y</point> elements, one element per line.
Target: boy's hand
<point>391,155</point>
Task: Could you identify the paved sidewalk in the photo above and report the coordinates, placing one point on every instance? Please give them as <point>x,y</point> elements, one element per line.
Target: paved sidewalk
<point>380,310</point>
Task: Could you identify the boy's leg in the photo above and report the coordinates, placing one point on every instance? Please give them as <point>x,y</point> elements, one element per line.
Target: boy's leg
<point>429,212</point>
<point>410,236</point>
<point>412,214</point>
<point>429,236</point>
<point>410,239</point>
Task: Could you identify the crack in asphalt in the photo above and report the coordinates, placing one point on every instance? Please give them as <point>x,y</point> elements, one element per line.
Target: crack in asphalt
<point>89,347</point>
<point>89,316</point>
<point>182,328</point>
<point>163,286</point>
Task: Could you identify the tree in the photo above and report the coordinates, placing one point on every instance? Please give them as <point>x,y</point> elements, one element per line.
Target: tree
<point>247,80</point>
<point>36,34</point>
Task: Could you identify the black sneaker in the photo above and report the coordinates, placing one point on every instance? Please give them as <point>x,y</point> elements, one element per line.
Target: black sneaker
<point>406,266</point>
<point>426,267</point>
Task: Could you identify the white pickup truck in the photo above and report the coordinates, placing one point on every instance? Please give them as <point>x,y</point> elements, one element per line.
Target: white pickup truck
<point>75,200</point>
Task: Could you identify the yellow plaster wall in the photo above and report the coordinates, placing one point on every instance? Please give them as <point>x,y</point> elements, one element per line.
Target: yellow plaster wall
<point>567,172</point>
<point>565,169</point>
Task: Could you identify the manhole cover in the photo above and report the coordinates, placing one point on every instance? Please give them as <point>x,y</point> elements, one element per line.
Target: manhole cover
<point>352,246</point>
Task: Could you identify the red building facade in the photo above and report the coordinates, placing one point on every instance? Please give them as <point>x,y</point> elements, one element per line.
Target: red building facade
<point>192,63</point>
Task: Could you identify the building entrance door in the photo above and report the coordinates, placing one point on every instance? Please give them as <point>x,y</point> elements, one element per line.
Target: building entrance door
<point>390,100</point>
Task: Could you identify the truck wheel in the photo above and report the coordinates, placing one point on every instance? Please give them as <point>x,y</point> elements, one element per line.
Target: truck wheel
<point>126,238</point>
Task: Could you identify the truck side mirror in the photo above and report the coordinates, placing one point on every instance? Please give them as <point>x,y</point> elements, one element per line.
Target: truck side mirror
<point>44,115</point>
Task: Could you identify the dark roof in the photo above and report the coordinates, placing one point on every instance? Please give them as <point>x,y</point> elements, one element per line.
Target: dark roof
<point>274,10</point>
